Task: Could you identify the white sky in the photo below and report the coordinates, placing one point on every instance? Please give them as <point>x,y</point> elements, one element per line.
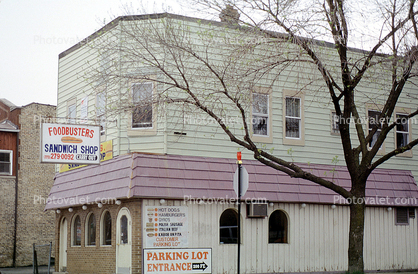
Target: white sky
<point>34,32</point>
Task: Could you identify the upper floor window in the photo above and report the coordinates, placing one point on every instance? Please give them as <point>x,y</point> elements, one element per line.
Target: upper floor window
<point>6,160</point>
<point>142,114</point>
<point>101,111</point>
<point>374,121</point>
<point>402,130</point>
<point>71,111</point>
<point>335,128</point>
<point>278,227</point>
<point>91,230</point>
<point>260,114</point>
<point>293,117</point>
<point>228,227</point>
<point>76,231</point>
<point>106,228</point>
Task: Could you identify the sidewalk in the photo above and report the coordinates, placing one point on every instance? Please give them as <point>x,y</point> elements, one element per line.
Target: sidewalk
<point>25,270</point>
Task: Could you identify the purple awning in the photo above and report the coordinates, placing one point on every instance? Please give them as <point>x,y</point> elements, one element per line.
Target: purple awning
<point>179,177</point>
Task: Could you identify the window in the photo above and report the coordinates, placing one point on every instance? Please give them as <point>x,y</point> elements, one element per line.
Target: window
<point>124,230</point>
<point>260,114</point>
<point>91,230</point>
<point>278,227</point>
<point>71,111</point>
<point>228,227</point>
<point>335,128</point>
<point>6,160</point>
<point>293,118</point>
<point>76,231</point>
<point>373,121</point>
<point>101,110</point>
<point>402,130</point>
<point>402,216</point>
<point>106,229</point>
<point>142,114</point>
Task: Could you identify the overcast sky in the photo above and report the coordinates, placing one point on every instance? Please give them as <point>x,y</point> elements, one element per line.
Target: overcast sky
<point>34,32</point>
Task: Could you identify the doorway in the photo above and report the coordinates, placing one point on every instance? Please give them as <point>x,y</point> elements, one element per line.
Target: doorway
<point>123,242</point>
<point>63,246</point>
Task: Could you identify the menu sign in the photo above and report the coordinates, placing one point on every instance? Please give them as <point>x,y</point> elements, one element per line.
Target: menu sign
<point>165,226</point>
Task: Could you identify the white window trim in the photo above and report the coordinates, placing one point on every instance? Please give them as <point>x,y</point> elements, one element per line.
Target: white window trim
<point>403,111</point>
<point>149,130</point>
<point>290,140</point>
<point>11,162</point>
<point>269,137</point>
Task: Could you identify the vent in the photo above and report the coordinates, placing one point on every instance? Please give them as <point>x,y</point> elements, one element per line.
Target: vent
<point>402,215</point>
<point>257,210</point>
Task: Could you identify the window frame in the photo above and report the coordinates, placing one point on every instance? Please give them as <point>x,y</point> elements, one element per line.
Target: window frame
<point>230,227</point>
<point>103,229</point>
<point>70,103</point>
<point>139,131</point>
<point>258,137</point>
<point>87,230</point>
<point>406,112</point>
<point>101,110</point>
<point>335,130</point>
<point>286,229</point>
<point>397,222</point>
<point>375,108</point>
<point>291,140</point>
<point>10,152</point>
<point>73,232</point>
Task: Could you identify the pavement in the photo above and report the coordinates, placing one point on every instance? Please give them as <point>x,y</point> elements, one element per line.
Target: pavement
<point>25,270</point>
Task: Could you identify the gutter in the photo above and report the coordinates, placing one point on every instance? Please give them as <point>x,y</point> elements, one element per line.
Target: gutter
<point>16,198</point>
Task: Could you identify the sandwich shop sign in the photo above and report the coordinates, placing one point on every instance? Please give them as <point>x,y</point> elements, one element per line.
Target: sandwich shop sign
<point>70,144</point>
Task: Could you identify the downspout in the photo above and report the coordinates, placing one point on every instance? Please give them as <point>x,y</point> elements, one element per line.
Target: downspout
<point>16,167</point>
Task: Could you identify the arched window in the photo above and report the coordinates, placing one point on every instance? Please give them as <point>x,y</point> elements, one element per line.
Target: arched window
<point>278,227</point>
<point>76,231</point>
<point>228,227</point>
<point>124,230</point>
<point>106,229</point>
<point>91,230</point>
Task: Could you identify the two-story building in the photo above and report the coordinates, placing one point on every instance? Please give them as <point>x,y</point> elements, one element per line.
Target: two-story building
<point>24,185</point>
<point>166,203</point>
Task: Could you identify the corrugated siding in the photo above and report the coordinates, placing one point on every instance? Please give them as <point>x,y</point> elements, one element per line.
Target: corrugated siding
<point>318,239</point>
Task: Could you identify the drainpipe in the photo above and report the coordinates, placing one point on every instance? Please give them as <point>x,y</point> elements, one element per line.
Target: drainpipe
<point>16,167</point>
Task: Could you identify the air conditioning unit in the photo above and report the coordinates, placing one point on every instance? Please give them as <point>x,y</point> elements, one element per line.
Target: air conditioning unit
<point>257,210</point>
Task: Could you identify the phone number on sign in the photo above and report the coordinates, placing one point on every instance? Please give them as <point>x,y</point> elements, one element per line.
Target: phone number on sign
<point>60,156</point>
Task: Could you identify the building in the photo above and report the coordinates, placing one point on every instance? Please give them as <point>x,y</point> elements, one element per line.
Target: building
<point>24,181</point>
<point>165,202</point>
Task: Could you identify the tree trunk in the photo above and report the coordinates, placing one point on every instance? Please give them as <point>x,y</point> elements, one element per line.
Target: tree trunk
<point>356,238</point>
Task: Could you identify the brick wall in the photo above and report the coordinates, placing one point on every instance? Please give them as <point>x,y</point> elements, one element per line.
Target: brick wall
<point>98,259</point>
<point>35,181</point>
<point>7,198</point>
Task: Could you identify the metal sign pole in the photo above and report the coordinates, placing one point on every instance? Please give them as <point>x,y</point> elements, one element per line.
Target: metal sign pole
<point>239,212</point>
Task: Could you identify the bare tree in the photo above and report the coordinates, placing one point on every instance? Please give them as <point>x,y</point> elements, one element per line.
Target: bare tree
<point>213,68</point>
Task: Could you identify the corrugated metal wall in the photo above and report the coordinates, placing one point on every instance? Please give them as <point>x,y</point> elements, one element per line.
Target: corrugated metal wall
<point>318,239</point>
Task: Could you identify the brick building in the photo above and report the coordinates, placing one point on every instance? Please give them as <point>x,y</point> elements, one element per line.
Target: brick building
<point>23,183</point>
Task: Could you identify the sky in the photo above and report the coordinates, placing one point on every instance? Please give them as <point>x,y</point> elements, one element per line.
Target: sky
<point>34,32</point>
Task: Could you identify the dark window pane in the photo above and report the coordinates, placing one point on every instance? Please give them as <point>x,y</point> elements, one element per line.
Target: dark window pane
<point>123,230</point>
<point>91,230</point>
<point>107,229</point>
<point>278,227</point>
<point>77,231</point>
<point>228,227</point>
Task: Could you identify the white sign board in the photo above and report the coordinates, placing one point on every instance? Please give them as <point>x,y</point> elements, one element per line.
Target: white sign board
<point>176,261</point>
<point>165,226</point>
<point>70,144</point>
